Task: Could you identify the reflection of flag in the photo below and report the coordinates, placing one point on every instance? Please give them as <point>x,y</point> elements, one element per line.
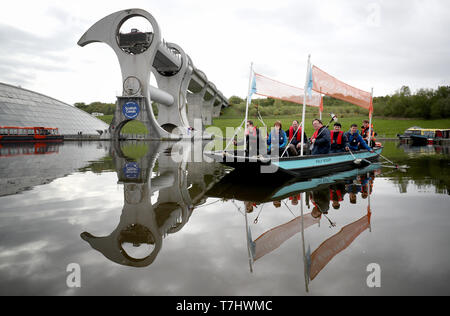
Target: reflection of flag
<point>274,238</point>
<point>334,245</point>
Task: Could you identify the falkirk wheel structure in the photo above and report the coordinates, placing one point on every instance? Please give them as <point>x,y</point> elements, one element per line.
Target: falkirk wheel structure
<point>160,194</point>
<point>186,99</point>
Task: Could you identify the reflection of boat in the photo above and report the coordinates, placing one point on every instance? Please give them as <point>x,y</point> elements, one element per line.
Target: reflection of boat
<point>234,186</point>
<point>24,149</point>
<point>275,237</point>
<point>29,134</point>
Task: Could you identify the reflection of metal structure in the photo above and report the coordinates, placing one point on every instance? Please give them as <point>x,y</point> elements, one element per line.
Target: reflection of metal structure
<point>143,53</point>
<point>146,223</point>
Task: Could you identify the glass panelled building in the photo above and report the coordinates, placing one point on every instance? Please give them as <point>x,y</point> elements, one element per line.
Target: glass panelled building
<point>24,108</point>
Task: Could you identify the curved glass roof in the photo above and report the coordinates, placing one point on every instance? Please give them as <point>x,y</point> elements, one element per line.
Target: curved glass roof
<point>24,108</point>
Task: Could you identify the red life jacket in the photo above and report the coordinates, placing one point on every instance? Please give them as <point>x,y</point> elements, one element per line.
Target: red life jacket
<point>339,138</point>
<point>254,131</point>
<point>316,133</point>
<point>338,194</point>
<point>299,133</point>
<point>298,197</point>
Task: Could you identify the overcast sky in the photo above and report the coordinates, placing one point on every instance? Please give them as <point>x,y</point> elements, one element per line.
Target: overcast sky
<point>374,43</point>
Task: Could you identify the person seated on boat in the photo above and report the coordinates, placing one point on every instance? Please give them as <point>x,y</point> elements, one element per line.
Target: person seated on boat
<point>338,139</point>
<point>252,136</point>
<point>321,139</point>
<point>294,199</point>
<point>365,133</point>
<point>249,206</point>
<point>337,193</point>
<point>277,204</point>
<point>321,201</point>
<point>294,148</point>
<point>355,141</point>
<point>277,139</point>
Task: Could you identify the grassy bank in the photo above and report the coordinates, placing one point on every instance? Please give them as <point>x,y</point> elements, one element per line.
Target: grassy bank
<point>385,127</point>
<point>133,127</point>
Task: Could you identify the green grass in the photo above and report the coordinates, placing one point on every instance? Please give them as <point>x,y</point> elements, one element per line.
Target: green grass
<point>133,127</point>
<point>385,127</point>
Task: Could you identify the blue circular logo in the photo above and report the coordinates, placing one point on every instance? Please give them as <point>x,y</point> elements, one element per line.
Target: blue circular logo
<point>131,110</point>
<point>131,170</point>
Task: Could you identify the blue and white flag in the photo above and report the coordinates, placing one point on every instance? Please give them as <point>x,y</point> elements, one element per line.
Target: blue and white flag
<point>253,87</point>
<point>310,82</point>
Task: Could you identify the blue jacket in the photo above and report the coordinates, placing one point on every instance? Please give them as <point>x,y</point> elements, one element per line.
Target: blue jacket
<point>282,139</point>
<point>355,141</point>
<point>322,143</point>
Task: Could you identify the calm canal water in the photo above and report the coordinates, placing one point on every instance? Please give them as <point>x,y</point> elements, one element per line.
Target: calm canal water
<point>155,226</point>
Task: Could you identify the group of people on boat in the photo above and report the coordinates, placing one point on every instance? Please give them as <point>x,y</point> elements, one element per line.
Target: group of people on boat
<point>319,199</point>
<point>322,142</point>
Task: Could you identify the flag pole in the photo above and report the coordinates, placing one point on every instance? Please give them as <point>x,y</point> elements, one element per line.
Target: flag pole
<point>370,118</point>
<point>248,103</point>
<point>321,104</point>
<point>304,105</point>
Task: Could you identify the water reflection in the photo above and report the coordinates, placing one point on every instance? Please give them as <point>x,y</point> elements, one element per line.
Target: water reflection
<point>26,165</point>
<point>428,170</point>
<point>145,204</point>
<point>179,186</point>
<point>317,195</point>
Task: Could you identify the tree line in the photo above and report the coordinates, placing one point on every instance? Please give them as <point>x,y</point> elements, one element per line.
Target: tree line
<point>424,104</point>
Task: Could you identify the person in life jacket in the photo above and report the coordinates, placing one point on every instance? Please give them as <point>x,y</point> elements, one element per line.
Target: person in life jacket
<point>294,148</point>
<point>253,140</point>
<point>355,141</point>
<point>337,193</point>
<point>365,133</point>
<point>277,139</point>
<point>339,140</point>
<point>321,139</point>
<point>321,201</point>
<point>294,199</point>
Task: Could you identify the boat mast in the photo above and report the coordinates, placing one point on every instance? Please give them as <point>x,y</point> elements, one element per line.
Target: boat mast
<point>370,118</point>
<point>308,69</point>
<point>248,103</point>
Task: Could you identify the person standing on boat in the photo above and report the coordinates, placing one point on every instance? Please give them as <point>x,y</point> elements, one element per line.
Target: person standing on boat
<point>338,140</point>
<point>355,141</point>
<point>365,133</point>
<point>321,201</point>
<point>320,140</point>
<point>252,134</point>
<point>277,139</point>
<point>296,142</point>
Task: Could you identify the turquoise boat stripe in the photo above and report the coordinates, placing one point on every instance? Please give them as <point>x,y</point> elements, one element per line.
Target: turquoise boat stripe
<point>313,183</point>
<point>323,161</point>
